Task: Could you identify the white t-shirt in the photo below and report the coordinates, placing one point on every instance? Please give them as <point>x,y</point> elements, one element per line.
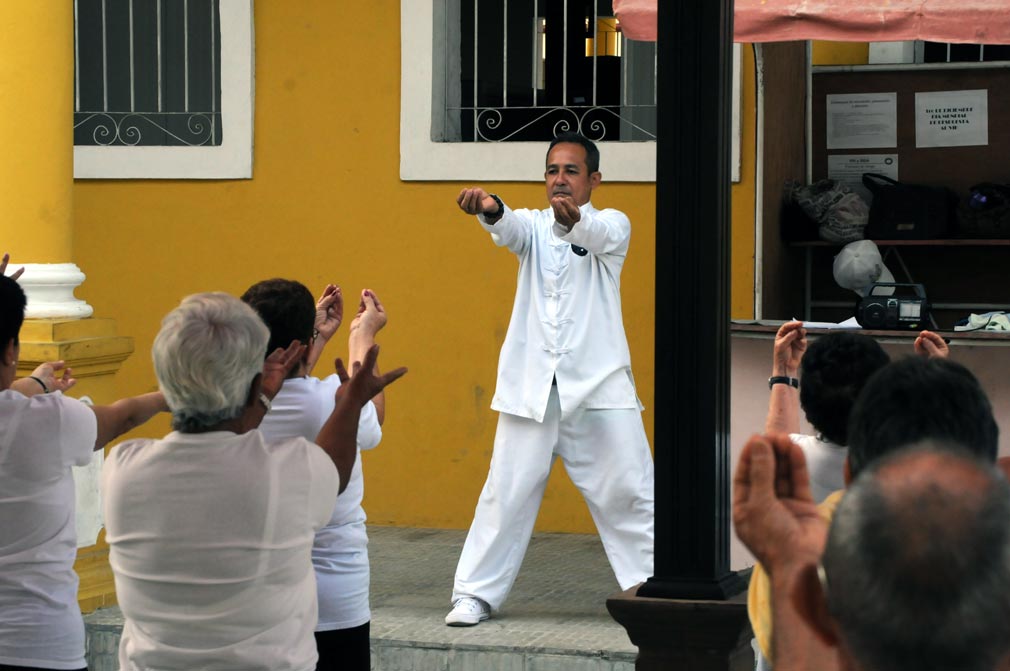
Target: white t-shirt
<point>40,439</point>
<point>210,538</point>
<point>825,463</point>
<point>340,550</point>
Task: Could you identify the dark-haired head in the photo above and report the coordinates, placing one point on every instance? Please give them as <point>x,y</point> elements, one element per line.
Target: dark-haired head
<point>286,307</point>
<point>833,371</point>
<point>592,153</point>
<point>12,310</point>
<point>915,400</point>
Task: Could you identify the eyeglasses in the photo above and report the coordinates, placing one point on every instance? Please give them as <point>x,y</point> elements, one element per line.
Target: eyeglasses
<point>822,577</point>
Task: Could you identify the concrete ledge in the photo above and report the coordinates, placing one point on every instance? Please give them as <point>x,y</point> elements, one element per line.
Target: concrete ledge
<point>555,618</point>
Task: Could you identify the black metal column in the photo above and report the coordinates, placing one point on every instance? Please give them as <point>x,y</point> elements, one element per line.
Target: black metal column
<point>692,303</point>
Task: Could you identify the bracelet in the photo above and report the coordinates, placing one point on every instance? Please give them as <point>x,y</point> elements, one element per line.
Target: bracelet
<point>265,401</point>
<point>783,379</point>
<point>45,389</point>
<point>501,207</point>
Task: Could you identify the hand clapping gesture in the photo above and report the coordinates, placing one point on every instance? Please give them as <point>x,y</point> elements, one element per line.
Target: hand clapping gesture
<point>931,346</point>
<point>773,508</point>
<point>790,344</point>
<point>371,316</point>
<point>329,312</point>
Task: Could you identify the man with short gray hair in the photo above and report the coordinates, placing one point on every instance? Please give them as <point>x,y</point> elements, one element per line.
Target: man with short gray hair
<point>211,528</point>
<point>915,573</point>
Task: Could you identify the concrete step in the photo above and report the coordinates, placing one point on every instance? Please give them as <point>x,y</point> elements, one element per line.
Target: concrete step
<point>555,618</point>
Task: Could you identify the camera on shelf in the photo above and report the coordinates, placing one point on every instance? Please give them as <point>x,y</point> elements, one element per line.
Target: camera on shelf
<point>893,312</point>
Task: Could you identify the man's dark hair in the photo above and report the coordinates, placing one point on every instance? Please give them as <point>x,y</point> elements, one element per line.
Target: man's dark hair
<point>592,153</point>
<point>286,307</point>
<point>917,563</point>
<point>12,310</point>
<point>833,371</point>
<point>914,400</point>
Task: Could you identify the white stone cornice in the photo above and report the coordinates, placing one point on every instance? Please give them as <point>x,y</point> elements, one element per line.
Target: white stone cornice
<point>50,291</point>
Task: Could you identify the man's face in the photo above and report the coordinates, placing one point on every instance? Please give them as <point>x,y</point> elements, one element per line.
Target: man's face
<point>568,175</point>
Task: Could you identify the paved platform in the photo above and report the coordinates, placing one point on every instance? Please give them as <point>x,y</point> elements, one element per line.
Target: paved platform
<point>555,619</point>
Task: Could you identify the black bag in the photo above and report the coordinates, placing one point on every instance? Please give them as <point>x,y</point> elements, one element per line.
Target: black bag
<point>908,211</point>
<point>986,213</point>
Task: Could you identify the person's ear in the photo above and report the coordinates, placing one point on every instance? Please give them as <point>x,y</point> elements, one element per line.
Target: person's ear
<point>11,352</point>
<point>811,603</point>
<point>595,179</point>
<point>254,391</point>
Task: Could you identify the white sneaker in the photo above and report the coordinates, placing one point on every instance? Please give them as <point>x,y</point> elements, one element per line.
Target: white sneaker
<point>467,612</point>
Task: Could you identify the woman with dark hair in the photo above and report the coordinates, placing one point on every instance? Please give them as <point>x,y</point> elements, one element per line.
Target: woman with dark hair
<point>42,434</point>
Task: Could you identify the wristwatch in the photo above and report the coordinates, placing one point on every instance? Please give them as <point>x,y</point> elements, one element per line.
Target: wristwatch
<point>783,379</point>
<point>501,208</point>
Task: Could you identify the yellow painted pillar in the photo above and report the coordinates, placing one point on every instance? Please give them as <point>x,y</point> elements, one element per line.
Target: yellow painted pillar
<point>36,227</point>
<point>36,130</point>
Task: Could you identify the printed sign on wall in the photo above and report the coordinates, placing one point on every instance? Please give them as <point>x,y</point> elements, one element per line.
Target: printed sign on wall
<point>952,118</point>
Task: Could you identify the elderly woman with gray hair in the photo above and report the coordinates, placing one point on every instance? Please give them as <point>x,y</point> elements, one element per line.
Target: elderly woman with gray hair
<point>210,528</point>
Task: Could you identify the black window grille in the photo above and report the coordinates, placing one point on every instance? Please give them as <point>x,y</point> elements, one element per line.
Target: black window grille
<point>147,73</point>
<point>529,69</point>
<point>949,52</point>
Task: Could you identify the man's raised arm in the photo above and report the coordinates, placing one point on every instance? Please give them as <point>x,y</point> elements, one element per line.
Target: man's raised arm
<point>784,403</point>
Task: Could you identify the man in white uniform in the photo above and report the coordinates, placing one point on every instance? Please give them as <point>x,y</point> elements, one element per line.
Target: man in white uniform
<point>564,385</point>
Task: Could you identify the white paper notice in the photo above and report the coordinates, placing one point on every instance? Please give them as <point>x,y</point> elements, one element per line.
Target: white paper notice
<point>849,168</point>
<point>862,120</point>
<point>952,118</point>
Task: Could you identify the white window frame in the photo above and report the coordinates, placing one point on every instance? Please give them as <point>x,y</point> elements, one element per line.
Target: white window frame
<point>421,158</point>
<point>233,158</point>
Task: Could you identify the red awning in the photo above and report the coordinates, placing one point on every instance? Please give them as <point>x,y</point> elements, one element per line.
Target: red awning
<point>972,21</point>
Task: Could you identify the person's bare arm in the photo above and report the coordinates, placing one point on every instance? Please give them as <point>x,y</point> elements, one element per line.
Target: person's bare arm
<point>369,320</point>
<point>784,401</point>
<point>329,315</point>
<point>126,414</point>
<point>339,434</point>
<point>48,377</point>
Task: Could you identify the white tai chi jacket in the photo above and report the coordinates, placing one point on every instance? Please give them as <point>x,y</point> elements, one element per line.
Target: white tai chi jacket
<point>566,321</point>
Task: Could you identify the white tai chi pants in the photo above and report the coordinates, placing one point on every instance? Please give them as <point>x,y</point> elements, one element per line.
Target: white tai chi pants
<point>606,455</point>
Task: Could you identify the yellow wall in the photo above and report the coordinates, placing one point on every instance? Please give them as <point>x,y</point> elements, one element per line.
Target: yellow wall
<point>326,204</point>
<point>840,53</point>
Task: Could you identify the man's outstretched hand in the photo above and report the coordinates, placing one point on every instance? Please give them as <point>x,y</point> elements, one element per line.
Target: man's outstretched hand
<point>566,212</point>
<point>476,200</point>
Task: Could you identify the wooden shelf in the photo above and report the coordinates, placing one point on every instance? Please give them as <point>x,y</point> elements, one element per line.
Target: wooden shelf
<point>942,242</point>
<point>769,329</point>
